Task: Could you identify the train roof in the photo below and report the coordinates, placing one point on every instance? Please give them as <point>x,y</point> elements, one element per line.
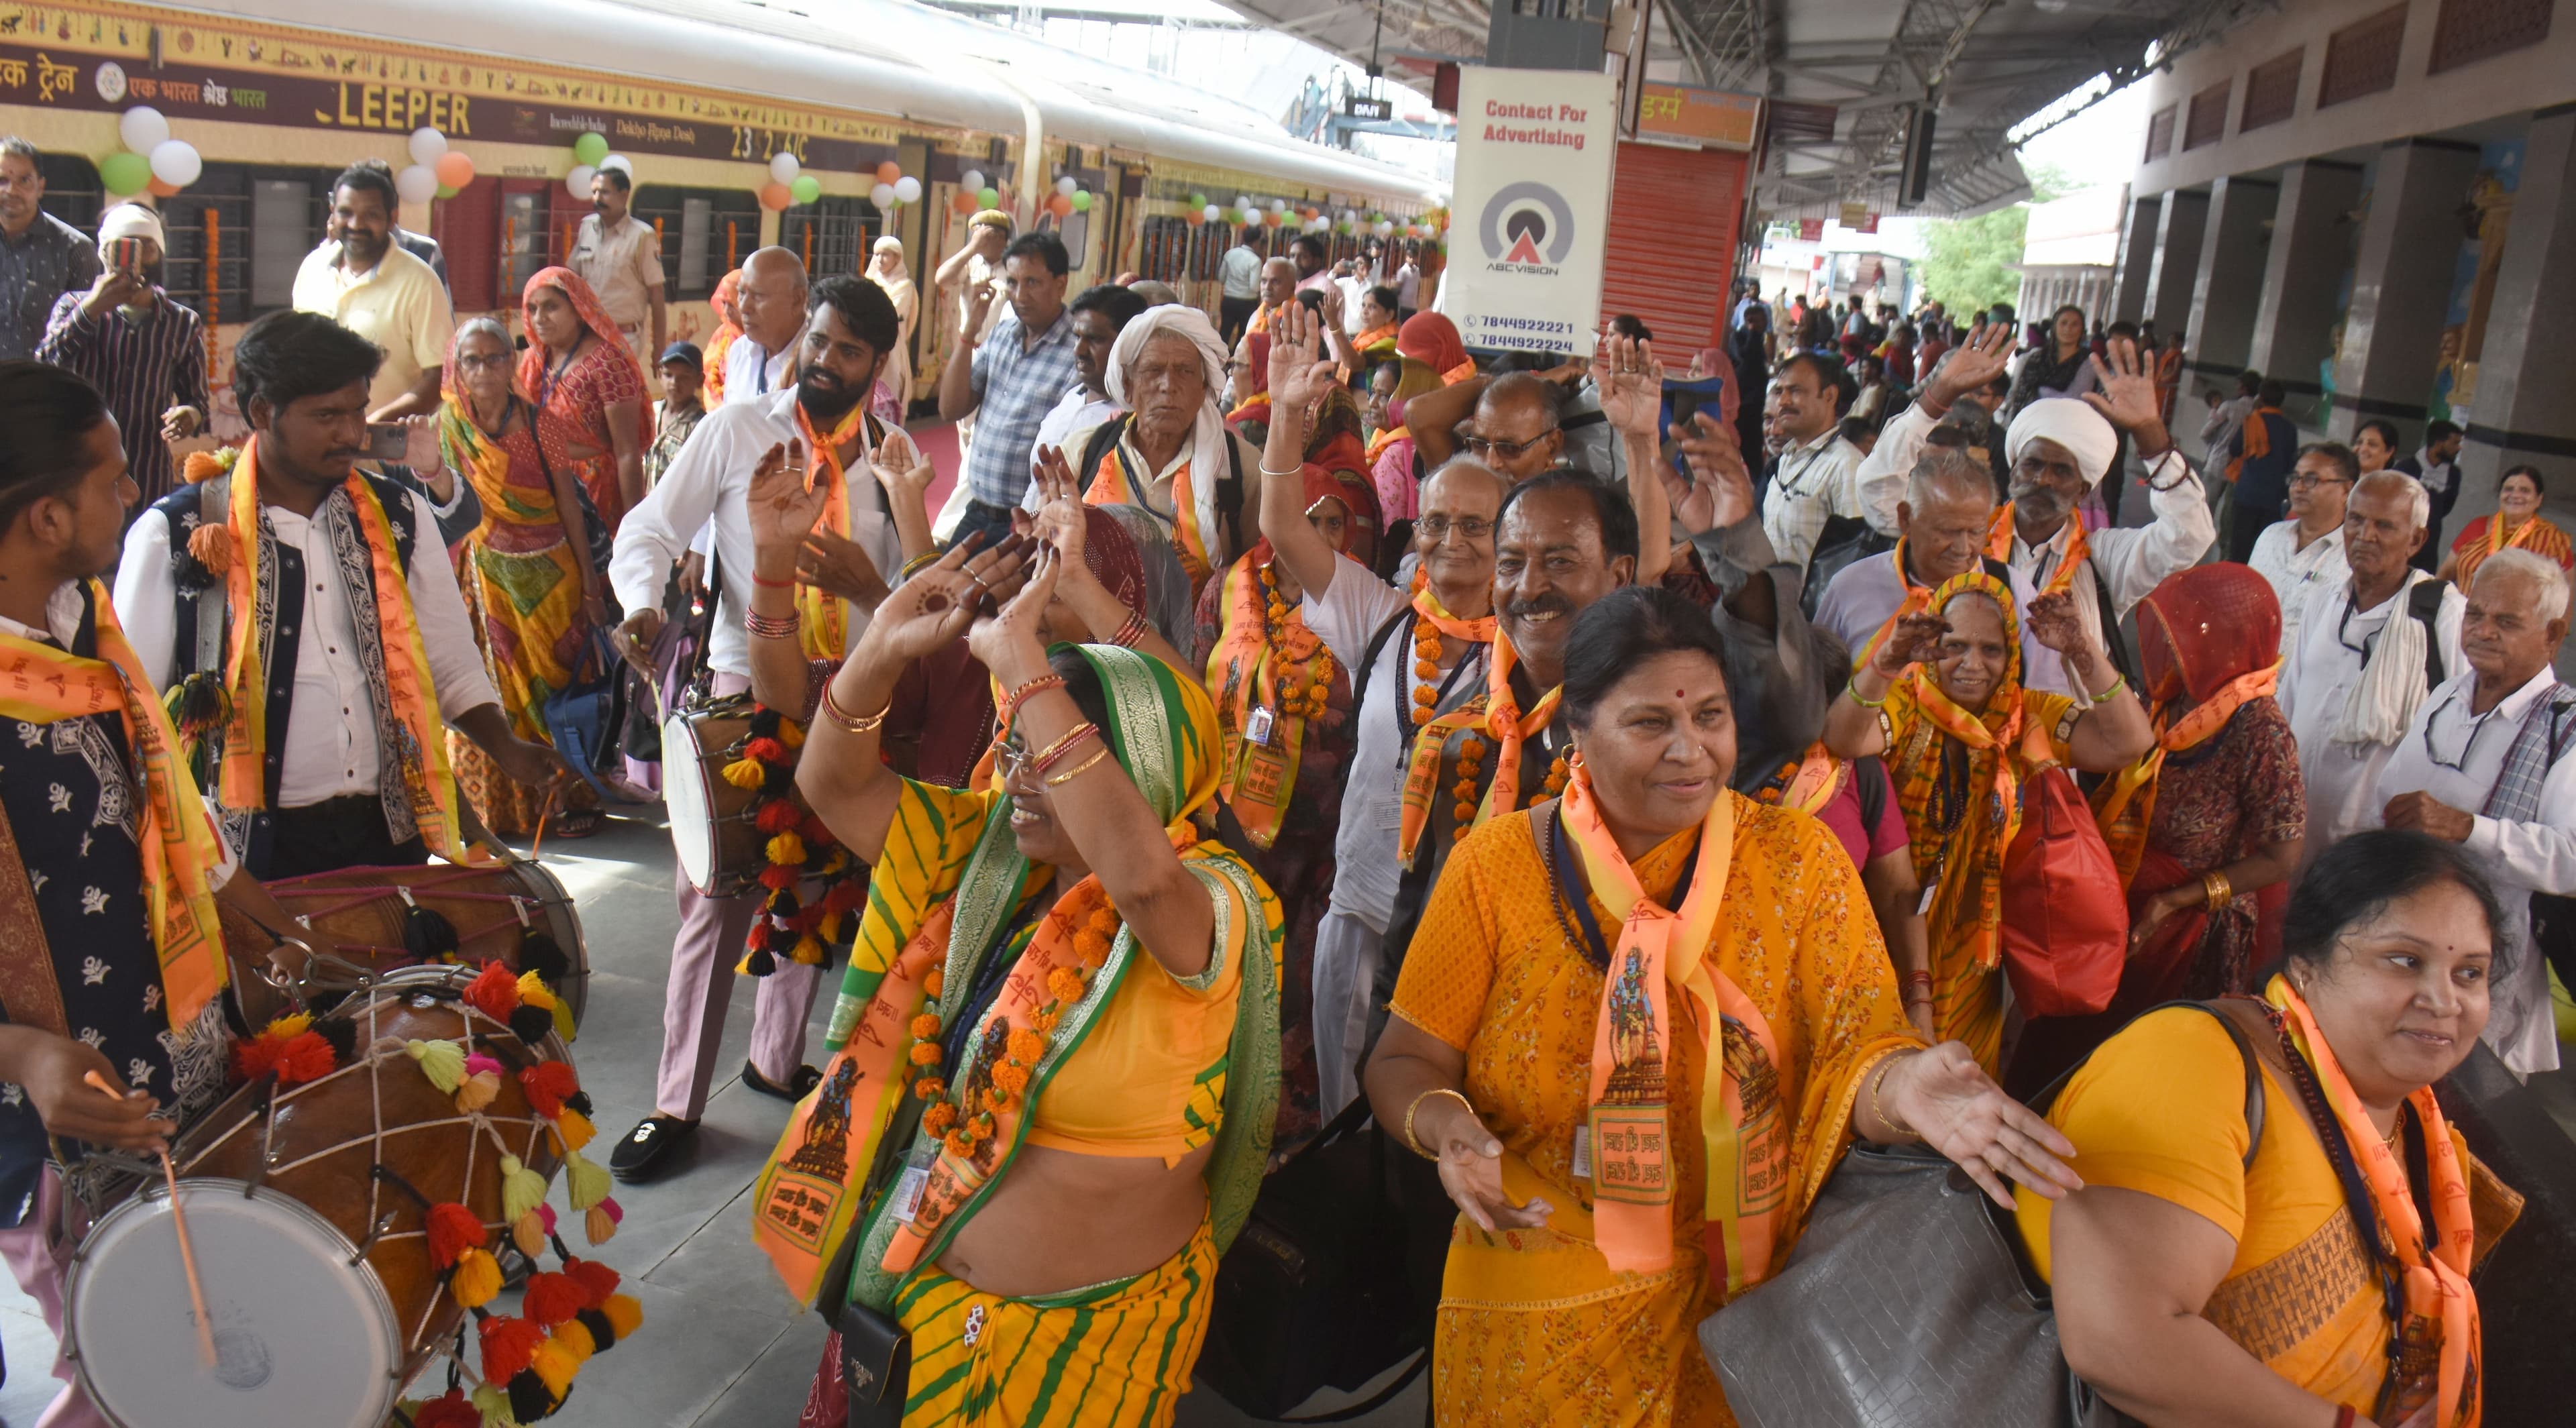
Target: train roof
<point>880,56</point>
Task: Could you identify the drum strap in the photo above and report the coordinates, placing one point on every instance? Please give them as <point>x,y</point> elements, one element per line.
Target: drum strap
<point>29,994</point>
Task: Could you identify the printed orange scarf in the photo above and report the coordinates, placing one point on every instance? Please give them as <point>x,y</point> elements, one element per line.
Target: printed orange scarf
<point>2079,546</point>
<point>1999,728</point>
<point>1917,596</point>
<point>2436,1276</point>
<point>2125,805</point>
<point>1264,659</point>
<point>1657,951</point>
<point>423,766</point>
<point>1115,485</point>
<point>1497,711</point>
<point>1378,444</point>
<point>41,684</point>
<point>826,623</point>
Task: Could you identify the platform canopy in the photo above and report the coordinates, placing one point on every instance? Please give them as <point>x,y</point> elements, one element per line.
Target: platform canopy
<point>1843,76</point>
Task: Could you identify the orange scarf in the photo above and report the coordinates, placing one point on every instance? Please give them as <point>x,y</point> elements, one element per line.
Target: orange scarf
<point>1252,408</point>
<point>2436,1277</point>
<point>2498,540</point>
<point>2254,438</point>
<point>826,623</point>
<point>423,766</point>
<point>1497,711</point>
<point>1657,952</point>
<point>1999,729</point>
<point>1378,444</point>
<point>1260,641</point>
<point>2079,548</point>
<point>2125,806</point>
<point>713,389</point>
<point>1375,337</point>
<point>41,684</point>
<point>1115,485</point>
<point>1807,785</point>
<point>1916,598</point>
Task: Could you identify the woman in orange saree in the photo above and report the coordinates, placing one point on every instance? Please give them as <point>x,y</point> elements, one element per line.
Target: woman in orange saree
<point>2517,524</point>
<point>1618,1177</point>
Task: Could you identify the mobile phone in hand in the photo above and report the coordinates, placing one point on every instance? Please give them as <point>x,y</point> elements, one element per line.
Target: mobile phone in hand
<point>125,255</point>
<point>387,440</point>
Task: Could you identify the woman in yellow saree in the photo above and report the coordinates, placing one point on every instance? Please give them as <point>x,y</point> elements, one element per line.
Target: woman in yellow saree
<point>2203,1277</point>
<point>1618,1177</point>
<point>1941,699</point>
<point>1059,1031</point>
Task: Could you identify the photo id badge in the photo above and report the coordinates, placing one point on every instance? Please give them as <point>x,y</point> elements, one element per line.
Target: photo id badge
<point>1257,726</point>
<point>908,1186</point>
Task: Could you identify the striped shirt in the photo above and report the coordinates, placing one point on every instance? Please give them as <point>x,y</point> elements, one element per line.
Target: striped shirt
<point>49,259</point>
<point>143,369</point>
<point>1016,386</point>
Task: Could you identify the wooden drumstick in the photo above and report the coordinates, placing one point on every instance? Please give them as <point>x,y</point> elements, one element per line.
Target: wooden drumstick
<point>178,1222</point>
<point>545,810</point>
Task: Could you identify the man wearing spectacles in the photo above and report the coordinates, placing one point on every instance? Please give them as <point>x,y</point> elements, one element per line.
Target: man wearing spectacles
<point>2304,554</point>
<point>1516,427</point>
<point>2485,764</point>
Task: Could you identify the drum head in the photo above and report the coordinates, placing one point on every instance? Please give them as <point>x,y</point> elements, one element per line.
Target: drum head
<point>300,1336</point>
<point>685,797</point>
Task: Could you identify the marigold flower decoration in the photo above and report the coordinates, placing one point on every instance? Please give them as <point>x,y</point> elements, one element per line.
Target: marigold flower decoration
<point>963,1125</point>
<point>1471,758</point>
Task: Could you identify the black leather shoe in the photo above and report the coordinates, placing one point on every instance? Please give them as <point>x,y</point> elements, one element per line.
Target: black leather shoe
<point>798,1086</point>
<point>647,1146</point>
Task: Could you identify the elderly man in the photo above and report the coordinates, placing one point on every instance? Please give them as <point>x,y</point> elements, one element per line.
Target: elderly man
<point>2485,763</point>
<point>1010,380</point>
<point>2304,554</point>
<point>1278,287</point>
<point>372,287</point>
<point>771,296</point>
<point>2059,449</point>
<point>1099,315</point>
<point>41,256</point>
<point>144,351</point>
<point>2367,654</point>
<point>620,256</point>
<point>1173,454</point>
<point>1516,427</point>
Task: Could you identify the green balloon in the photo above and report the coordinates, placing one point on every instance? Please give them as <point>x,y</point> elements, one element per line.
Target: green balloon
<point>446,192</point>
<point>989,196</point>
<point>590,148</point>
<point>1082,200</point>
<point>1198,200</point>
<point>125,173</point>
<point>806,189</point>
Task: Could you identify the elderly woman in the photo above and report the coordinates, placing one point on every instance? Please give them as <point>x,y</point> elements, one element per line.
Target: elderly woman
<point>2208,1276</point>
<point>527,574</point>
<point>1172,453</point>
<point>1941,699</point>
<point>888,272</point>
<point>1618,1176</point>
<point>1083,995</point>
<point>2516,525</point>
<point>588,389</point>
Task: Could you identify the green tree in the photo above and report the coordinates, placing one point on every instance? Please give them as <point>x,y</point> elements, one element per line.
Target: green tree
<point>1970,263</point>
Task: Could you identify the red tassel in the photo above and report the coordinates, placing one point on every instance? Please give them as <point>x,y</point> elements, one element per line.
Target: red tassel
<point>508,1346</point>
<point>547,1083</point>
<point>453,1229</point>
<point>495,992</point>
<point>779,876</point>
<point>816,834</point>
<point>553,1298</point>
<point>305,1057</point>
<point>449,1410</point>
<point>597,1279</point>
<point>768,751</point>
<point>847,896</point>
<point>777,817</point>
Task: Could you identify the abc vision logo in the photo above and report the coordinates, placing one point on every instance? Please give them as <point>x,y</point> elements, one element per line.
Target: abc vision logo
<point>1526,227</point>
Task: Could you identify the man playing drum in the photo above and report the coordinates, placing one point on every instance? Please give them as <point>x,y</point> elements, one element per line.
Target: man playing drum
<point>112,969</point>
<point>872,520</point>
<point>309,617</point>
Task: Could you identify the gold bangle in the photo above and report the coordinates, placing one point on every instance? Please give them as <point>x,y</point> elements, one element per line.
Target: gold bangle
<point>1878,1083</point>
<point>1069,775</point>
<point>855,723</point>
<point>2215,890</point>
<point>1409,1138</point>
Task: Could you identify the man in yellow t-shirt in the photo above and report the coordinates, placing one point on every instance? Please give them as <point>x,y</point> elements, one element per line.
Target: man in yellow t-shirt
<point>365,281</point>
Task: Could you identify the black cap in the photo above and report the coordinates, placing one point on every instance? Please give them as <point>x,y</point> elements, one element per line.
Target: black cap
<point>684,352</point>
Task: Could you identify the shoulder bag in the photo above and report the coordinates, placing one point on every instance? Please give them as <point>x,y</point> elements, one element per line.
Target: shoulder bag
<point>2065,917</point>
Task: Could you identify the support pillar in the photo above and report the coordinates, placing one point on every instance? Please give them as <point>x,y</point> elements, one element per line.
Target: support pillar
<point>2230,282</point>
<point>2178,233</point>
<point>2401,285</point>
<point>2524,407</point>
<point>2137,255</point>
<point>2311,238</point>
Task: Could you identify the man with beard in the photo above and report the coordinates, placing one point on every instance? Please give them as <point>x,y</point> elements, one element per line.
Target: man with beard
<point>370,286</point>
<point>145,352</point>
<point>822,419</point>
<point>305,621</point>
<point>1306,252</point>
<point>620,256</point>
<point>41,256</point>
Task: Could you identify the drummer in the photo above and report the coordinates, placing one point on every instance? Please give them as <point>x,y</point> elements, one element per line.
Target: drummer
<point>91,984</point>
<point>858,551</point>
<point>337,757</point>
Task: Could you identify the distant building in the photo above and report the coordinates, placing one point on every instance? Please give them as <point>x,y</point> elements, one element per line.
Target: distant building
<point>2071,252</point>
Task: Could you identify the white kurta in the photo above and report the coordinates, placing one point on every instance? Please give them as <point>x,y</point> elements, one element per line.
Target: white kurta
<point>2318,680</point>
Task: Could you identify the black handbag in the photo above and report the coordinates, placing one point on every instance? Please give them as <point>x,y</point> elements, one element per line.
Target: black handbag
<point>1313,1293</point>
<point>876,1367</point>
<point>1910,1303</point>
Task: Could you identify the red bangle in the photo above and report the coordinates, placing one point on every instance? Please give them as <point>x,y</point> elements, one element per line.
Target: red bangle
<point>773,584</point>
<point>2345,1415</point>
<point>1011,702</point>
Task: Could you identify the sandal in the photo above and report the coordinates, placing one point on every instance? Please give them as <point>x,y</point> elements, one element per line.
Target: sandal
<point>577,822</point>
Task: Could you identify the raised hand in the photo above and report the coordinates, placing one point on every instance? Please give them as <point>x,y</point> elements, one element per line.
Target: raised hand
<point>1299,372</point>
<point>784,503</point>
<point>1958,1110</point>
<point>1916,637</point>
<point>839,567</point>
<point>902,469</point>
<point>1007,640</point>
<point>937,604</point>
<point>2127,396</point>
<point>1632,387</point>
<point>1719,492</point>
<point>2054,624</point>
<point>1971,366</point>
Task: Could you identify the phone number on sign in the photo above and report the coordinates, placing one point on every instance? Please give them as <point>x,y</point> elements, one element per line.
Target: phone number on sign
<point>1520,333</point>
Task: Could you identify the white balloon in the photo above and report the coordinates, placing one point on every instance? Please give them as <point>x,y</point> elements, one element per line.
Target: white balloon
<point>1279,205</point>
<point>1066,185</point>
<point>175,162</point>
<point>143,128</point>
<point>1213,213</point>
<point>783,167</point>
<point>619,162</point>
<point>907,189</point>
<point>417,184</point>
<point>1385,229</point>
<point>426,145</point>
<point>577,183</point>
<point>1243,201</point>
<point>972,180</point>
<point>882,195</point>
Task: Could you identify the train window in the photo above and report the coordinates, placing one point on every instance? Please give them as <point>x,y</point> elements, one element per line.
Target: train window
<point>72,190</point>
<point>283,228</point>
<point>831,234</point>
<point>706,233</point>
<point>524,239</point>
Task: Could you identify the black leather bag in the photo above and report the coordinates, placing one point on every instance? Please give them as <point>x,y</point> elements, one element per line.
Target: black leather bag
<point>1909,1303</point>
<point>876,1367</point>
<point>1313,1293</point>
<point>1845,541</point>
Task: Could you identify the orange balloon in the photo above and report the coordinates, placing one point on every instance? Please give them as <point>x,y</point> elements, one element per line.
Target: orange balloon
<point>962,204</point>
<point>1059,205</point>
<point>1271,218</point>
<point>1194,218</point>
<point>889,171</point>
<point>455,168</point>
<point>775,197</point>
<point>160,189</point>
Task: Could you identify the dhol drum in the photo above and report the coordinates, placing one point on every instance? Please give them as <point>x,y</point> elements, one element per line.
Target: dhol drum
<point>383,918</point>
<point>308,1210</point>
<point>720,851</point>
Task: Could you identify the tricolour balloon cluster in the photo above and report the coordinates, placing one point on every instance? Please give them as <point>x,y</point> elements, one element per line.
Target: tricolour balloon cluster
<point>151,161</point>
<point>436,170</point>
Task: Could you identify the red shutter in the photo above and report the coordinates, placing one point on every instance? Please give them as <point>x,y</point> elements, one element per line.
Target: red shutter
<point>1670,250</point>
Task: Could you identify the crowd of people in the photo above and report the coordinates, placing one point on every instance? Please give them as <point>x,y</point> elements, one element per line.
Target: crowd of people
<point>1633,786</point>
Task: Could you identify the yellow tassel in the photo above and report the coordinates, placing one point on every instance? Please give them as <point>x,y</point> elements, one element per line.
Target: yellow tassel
<point>563,1019</point>
<point>476,1280</point>
<point>522,1189</point>
<point>574,1335</point>
<point>791,733</point>
<point>554,1363</point>
<point>477,1091</point>
<point>807,952</point>
<point>599,1225</point>
<point>624,1314</point>
<point>586,1183</point>
<point>573,1130</point>
<point>493,1402</point>
<point>831,928</point>
<point>787,850</point>
<point>292,1024</point>
<point>533,988</point>
<point>745,773</point>
<point>443,1062</point>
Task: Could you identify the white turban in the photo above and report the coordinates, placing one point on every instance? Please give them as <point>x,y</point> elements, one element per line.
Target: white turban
<point>1208,437</point>
<point>130,220</point>
<point>2071,424</point>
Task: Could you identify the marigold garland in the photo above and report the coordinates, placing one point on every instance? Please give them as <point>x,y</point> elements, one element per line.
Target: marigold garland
<point>1426,670</point>
<point>964,1124</point>
<point>1302,688</point>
